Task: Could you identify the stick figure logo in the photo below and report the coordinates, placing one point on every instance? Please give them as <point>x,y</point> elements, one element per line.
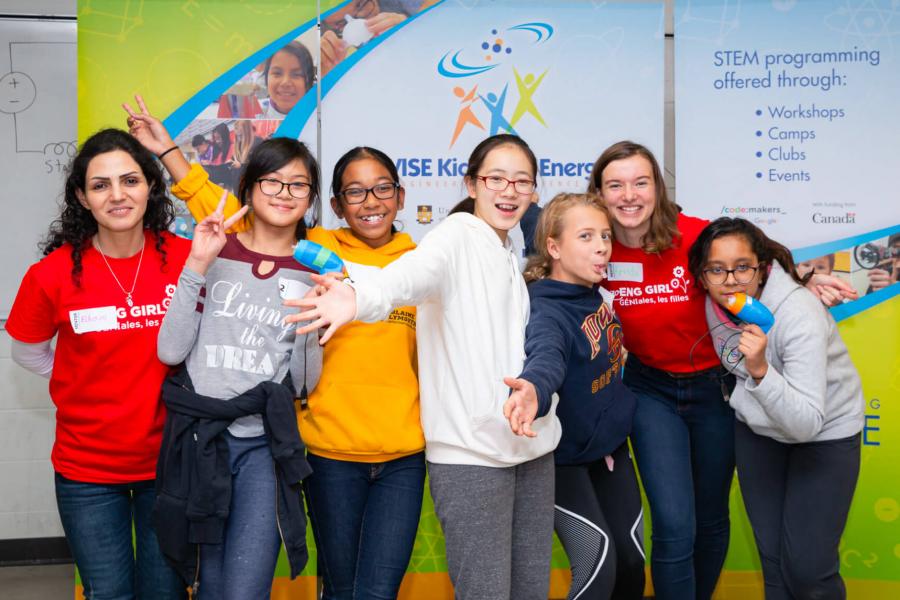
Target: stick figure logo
<point>509,98</point>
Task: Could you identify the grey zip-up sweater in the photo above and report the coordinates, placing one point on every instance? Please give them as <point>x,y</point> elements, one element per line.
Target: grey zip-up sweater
<point>228,328</point>
<point>811,392</point>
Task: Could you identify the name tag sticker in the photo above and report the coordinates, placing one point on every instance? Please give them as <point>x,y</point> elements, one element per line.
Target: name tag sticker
<point>87,320</point>
<point>291,288</point>
<point>625,271</point>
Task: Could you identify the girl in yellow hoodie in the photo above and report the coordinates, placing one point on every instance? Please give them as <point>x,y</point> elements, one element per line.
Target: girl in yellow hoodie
<point>361,422</point>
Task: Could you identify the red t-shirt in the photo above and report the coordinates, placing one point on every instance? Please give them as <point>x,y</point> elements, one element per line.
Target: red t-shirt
<point>106,376</point>
<point>660,307</point>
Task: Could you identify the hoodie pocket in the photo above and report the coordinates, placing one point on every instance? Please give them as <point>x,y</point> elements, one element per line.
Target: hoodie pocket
<point>489,406</point>
<point>364,419</point>
<point>492,437</point>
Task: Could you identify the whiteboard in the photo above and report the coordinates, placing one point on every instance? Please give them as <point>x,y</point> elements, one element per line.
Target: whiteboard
<point>38,125</point>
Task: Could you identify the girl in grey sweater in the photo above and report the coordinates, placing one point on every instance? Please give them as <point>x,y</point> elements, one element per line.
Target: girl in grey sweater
<point>799,408</point>
<point>226,324</point>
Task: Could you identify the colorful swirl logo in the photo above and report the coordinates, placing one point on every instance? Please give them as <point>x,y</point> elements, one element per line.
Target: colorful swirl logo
<point>450,65</point>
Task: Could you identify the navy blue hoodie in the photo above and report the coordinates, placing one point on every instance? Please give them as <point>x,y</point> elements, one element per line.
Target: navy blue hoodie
<point>573,347</point>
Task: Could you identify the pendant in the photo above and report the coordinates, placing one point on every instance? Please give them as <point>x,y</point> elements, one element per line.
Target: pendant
<point>129,300</point>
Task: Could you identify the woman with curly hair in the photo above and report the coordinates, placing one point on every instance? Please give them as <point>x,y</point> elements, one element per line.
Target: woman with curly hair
<point>102,288</point>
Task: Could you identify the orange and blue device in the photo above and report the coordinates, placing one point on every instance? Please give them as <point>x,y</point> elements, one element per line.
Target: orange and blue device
<point>317,258</point>
<point>750,310</point>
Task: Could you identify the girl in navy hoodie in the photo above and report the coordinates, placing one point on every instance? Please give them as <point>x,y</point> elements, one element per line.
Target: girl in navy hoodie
<point>574,349</point>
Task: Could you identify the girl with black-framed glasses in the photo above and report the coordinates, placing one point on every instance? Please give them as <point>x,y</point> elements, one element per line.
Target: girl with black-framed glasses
<point>799,408</point>
<point>226,325</point>
<point>361,422</point>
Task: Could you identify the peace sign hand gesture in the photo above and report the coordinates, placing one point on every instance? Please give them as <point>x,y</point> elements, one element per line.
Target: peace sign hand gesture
<point>209,237</point>
<point>148,130</point>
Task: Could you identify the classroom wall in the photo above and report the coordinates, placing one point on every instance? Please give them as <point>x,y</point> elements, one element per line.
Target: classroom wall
<point>27,503</point>
<point>39,7</point>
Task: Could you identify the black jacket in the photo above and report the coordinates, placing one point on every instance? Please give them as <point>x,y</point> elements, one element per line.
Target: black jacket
<point>193,479</point>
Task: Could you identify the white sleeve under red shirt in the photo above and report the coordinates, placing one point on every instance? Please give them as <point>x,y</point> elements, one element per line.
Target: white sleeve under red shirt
<point>106,376</point>
<point>661,310</point>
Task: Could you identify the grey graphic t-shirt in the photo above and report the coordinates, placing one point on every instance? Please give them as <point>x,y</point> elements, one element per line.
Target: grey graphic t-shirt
<point>229,330</point>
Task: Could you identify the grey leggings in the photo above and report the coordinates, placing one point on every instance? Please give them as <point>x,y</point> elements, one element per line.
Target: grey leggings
<point>797,497</point>
<point>498,528</point>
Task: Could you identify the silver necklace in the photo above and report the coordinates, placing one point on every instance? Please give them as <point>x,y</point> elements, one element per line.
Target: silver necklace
<point>113,273</point>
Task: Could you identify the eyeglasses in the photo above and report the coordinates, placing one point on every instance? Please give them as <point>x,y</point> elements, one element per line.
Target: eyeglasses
<point>741,273</point>
<point>495,183</point>
<point>382,191</point>
<point>273,187</point>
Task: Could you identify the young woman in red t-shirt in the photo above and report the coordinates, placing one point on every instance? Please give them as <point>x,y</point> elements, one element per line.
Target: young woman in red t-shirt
<point>106,281</point>
<point>683,430</point>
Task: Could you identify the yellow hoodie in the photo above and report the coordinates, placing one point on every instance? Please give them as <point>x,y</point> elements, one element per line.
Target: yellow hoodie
<point>365,407</point>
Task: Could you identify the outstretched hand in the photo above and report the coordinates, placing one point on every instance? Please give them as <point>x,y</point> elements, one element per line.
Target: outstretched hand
<point>330,304</point>
<point>521,407</point>
<point>209,237</point>
<point>146,128</point>
<point>831,290</point>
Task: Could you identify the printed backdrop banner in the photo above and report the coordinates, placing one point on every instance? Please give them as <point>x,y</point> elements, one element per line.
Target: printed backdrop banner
<point>463,70</point>
<point>786,115</point>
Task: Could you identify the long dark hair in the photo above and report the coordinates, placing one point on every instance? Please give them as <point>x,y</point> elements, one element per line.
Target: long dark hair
<point>272,154</point>
<point>476,160</point>
<point>664,220</point>
<point>766,249</point>
<point>220,149</point>
<point>76,225</point>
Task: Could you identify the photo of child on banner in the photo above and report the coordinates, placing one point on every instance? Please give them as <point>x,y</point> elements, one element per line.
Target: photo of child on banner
<point>869,266</point>
<point>222,146</point>
<point>345,30</point>
<point>272,88</point>
<point>881,261</point>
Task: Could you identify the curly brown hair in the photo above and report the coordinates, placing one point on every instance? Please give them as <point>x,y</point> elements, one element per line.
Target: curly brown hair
<point>76,225</point>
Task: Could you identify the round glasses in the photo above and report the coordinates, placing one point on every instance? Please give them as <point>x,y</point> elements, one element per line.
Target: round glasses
<point>358,195</point>
<point>273,187</point>
<point>495,183</point>
<point>741,273</point>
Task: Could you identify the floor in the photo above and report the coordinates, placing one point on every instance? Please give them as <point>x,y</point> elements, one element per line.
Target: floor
<point>45,582</point>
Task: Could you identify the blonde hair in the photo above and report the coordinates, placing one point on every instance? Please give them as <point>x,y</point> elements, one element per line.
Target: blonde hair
<point>550,225</point>
<point>243,144</point>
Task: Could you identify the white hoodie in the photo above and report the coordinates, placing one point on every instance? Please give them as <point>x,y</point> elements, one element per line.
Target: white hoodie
<point>470,331</point>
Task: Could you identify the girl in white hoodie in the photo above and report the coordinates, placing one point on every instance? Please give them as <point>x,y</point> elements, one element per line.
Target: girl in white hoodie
<point>492,490</point>
<point>799,408</point>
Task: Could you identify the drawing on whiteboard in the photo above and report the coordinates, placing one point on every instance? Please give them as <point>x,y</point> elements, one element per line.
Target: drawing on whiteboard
<point>18,93</point>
